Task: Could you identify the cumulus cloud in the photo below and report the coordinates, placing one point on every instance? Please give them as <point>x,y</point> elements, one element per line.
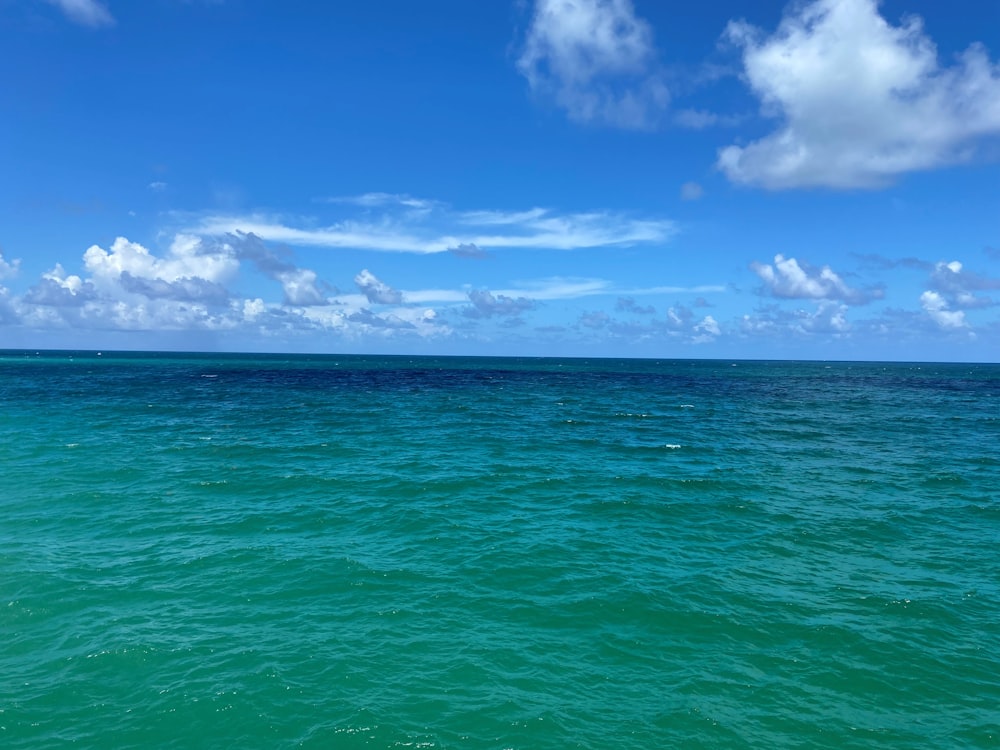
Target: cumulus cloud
<point>301,286</point>
<point>679,324</point>
<point>596,60</point>
<point>130,288</point>
<point>377,292</point>
<point>827,318</point>
<point>860,101</point>
<point>487,305</point>
<point>708,327</point>
<point>185,289</point>
<point>786,279</point>
<point>959,286</point>
<point>56,288</point>
<point>85,12</point>
<point>187,259</point>
<point>8,269</point>
<point>937,308</point>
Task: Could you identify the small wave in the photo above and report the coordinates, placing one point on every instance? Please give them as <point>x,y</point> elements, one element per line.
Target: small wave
<point>672,446</point>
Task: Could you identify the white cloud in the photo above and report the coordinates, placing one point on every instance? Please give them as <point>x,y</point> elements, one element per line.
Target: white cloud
<point>860,101</point>
<point>788,280</point>
<point>960,286</point>
<point>301,287</point>
<point>937,308</point>
<point>363,236</point>
<point>702,288</point>
<point>444,231</point>
<point>377,292</point>
<point>423,296</point>
<point>706,331</point>
<point>56,288</point>
<point>377,200</point>
<point>679,324</point>
<point>596,60</point>
<point>253,308</point>
<point>85,12</point>
<point>187,258</point>
<point>708,327</point>
<point>538,290</point>
<point>828,318</point>
<point>158,186</point>
<point>501,218</point>
<point>8,269</point>
<point>558,287</point>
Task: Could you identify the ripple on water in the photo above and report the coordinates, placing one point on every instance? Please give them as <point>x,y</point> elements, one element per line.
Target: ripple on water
<point>386,553</point>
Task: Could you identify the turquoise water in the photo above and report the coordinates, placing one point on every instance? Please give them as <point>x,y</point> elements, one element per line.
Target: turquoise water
<point>239,551</point>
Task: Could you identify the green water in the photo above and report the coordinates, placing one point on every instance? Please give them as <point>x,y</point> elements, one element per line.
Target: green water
<point>236,551</point>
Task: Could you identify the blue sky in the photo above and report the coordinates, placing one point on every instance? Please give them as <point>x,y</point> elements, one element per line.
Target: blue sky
<point>818,179</point>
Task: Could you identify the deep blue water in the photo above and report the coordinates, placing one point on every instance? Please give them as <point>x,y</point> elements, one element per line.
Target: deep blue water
<point>284,551</point>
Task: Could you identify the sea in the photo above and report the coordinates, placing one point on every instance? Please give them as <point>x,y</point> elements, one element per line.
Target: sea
<point>278,551</point>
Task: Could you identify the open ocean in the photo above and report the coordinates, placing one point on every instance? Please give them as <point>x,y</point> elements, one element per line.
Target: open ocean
<point>246,551</point>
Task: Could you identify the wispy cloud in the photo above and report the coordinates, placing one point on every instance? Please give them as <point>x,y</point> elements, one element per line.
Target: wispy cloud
<point>85,12</point>
<point>379,200</point>
<point>700,119</point>
<point>692,191</point>
<point>444,230</point>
